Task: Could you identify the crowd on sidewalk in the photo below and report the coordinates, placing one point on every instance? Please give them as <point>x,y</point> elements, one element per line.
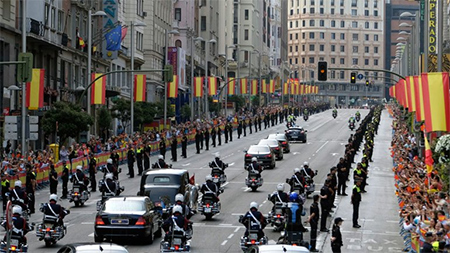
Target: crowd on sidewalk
<point>423,205</point>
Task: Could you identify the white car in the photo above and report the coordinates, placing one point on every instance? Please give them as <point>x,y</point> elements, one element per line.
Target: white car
<point>276,248</point>
<point>92,248</point>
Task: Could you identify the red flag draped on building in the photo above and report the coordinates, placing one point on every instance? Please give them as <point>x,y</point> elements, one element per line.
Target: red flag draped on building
<point>198,87</point>
<point>35,90</point>
<point>420,112</point>
<point>139,88</point>
<point>254,89</point>
<point>212,86</point>
<point>172,91</point>
<point>231,86</point>
<point>98,89</point>
<point>244,86</point>
<point>436,101</point>
<point>264,86</point>
<point>411,93</point>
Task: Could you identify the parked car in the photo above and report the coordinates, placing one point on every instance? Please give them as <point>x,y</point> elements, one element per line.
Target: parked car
<point>161,186</point>
<point>120,217</point>
<point>282,139</point>
<point>263,153</point>
<point>274,145</point>
<point>296,134</point>
<point>92,248</point>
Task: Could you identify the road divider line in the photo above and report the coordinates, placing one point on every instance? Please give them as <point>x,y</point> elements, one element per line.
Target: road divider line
<point>223,224</point>
<point>229,237</point>
<point>237,229</point>
<point>224,242</point>
<point>323,145</point>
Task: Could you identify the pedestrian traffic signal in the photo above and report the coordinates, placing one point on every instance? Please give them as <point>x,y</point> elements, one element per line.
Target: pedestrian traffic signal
<point>322,71</point>
<point>168,73</point>
<point>367,82</point>
<point>353,77</point>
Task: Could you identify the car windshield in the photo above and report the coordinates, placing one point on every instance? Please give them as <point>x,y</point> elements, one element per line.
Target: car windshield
<point>162,179</point>
<point>165,194</point>
<point>270,142</point>
<point>124,206</point>
<point>258,149</point>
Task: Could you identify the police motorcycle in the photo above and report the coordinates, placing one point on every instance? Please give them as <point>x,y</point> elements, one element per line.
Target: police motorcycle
<point>217,173</point>
<point>293,235</point>
<point>351,125</point>
<point>210,205</point>
<point>358,117</point>
<point>13,195</point>
<point>16,243</point>
<point>79,193</point>
<point>310,186</point>
<point>254,180</point>
<point>51,229</point>
<point>297,184</point>
<point>179,241</point>
<point>277,217</point>
<point>109,167</point>
<point>251,241</point>
<point>335,113</point>
<point>106,191</point>
<point>305,117</point>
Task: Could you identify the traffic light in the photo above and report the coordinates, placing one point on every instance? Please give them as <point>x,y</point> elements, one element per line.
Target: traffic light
<point>367,83</point>
<point>168,73</point>
<point>24,70</point>
<point>353,77</point>
<point>322,71</point>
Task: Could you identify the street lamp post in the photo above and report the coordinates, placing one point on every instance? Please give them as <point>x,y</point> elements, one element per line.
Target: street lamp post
<point>166,55</point>
<point>206,76</point>
<point>192,75</point>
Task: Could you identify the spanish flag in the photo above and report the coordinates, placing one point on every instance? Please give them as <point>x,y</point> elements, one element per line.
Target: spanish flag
<point>231,86</point>
<point>81,42</point>
<point>35,90</point>
<point>198,87</point>
<point>264,86</point>
<point>254,90</point>
<point>172,91</point>
<point>286,88</point>
<point>297,88</point>
<point>244,86</point>
<point>212,86</point>
<point>436,101</point>
<point>98,89</point>
<point>418,91</point>
<point>293,87</point>
<point>139,88</point>
<point>272,86</point>
<point>411,93</point>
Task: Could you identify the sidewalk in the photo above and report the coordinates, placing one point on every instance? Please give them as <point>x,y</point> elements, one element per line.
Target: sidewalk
<point>378,212</point>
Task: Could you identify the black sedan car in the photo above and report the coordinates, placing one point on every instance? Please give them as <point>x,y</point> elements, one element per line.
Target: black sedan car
<point>274,145</point>
<point>122,217</point>
<point>296,134</point>
<point>263,153</point>
<point>282,139</point>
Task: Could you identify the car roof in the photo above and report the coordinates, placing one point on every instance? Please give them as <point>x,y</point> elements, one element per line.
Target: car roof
<point>166,171</point>
<point>273,141</point>
<point>275,248</point>
<point>95,247</point>
<point>295,128</point>
<point>123,198</point>
<point>277,136</point>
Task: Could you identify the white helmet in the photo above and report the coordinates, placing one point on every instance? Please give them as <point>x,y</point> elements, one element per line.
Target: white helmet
<point>53,197</point>
<point>280,187</point>
<point>177,209</point>
<point>79,167</point>
<point>217,155</point>
<point>296,170</point>
<point>109,176</point>
<point>160,157</point>
<point>179,197</point>
<point>109,160</point>
<point>18,183</point>
<point>17,209</point>
<point>253,205</point>
<point>254,159</point>
<point>208,178</point>
<point>305,164</point>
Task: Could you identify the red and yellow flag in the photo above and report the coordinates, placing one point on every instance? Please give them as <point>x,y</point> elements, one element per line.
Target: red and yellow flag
<point>411,93</point>
<point>264,86</point>
<point>98,89</point>
<point>297,88</point>
<point>286,88</point>
<point>254,90</point>
<point>428,155</point>
<point>231,86</point>
<point>139,88</point>
<point>198,87</point>
<point>272,86</point>
<point>436,101</point>
<point>212,86</point>
<point>244,86</point>
<point>35,90</point>
<point>420,111</point>
<point>172,90</point>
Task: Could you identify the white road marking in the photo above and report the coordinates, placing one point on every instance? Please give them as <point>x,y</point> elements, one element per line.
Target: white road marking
<point>224,242</point>
<point>186,164</point>
<point>323,145</point>
<point>87,223</point>
<point>247,190</point>
<point>334,154</point>
<point>91,235</point>
<point>231,164</point>
<point>237,214</point>
<point>237,229</point>
<point>223,224</point>
<point>296,153</point>
<point>229,237</point>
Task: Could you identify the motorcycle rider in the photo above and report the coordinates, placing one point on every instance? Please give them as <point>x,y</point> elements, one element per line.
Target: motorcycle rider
<point>279,196</point>
<point>358,114</point>
<point>294,213</point>
<point>79,179</point>
<point>217,163</point>
<point>254,168</point>
<point>53,212</point>
<point>110,168</point>
<point>19,196</point>
<point>109,186</point>
<point>297,181</point>
<point>307,171</point>
<point>210,189</point>
<point>160,164</point>
<point>20,226</point>
<point>351,120</point>
<point>179,201</point>
<point>176,223</point>
<point>334,111</point>
<point>254,216</point>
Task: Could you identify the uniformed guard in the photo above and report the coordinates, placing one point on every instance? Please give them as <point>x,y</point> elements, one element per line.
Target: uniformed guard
<point>65,179</point>
<point>184,146</point>
<point>207,138</point>
<point>197,140</point>
<point>336,236</point>
<point>92,172</point>
<point>244,126</point>
<point>356,199</point>
<point>173,147</point>
<point>162,147</point>
<point>213,136</point>
<point>147,151</point>
<point>314,222</point>
<point>139,157</point>
<point>5,189</point>
<point>225,131</point>
<point>230,131</point>
<point>250,124</point>
<point>130,160</point>
<point>31,187</point>
<point>239,129</point>
<point>219,135</point>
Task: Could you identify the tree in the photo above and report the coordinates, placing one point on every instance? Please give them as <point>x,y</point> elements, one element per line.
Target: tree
<point>238,100</point>
<point>213,106</point>
<point>122,111</point>
<point>144,113</point>
<point>71,118</point>
<point>186,111</point>
<point>104,120</point>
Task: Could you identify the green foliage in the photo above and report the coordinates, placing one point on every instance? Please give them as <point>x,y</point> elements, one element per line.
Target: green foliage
<point>254,100</point>
<point>122,111</point>
<point>213,107</point>
<point>104,120</point>
<point>144,113</point>
<point>186,111</point>
<point>238,100</point>
<point>71,118</point>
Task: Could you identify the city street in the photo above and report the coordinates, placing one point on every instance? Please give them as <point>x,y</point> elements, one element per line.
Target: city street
<point>326,140</point>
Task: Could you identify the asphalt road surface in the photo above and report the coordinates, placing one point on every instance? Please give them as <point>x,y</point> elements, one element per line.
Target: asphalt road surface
<point>326,140</point>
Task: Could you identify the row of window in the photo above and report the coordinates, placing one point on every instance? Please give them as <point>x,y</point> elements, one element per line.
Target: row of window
<point>334,3</point>
<point>312,35</point>
<point>312,48</point>
<point>354,12</point>
<point>354,24</point>
<point>355,61</point>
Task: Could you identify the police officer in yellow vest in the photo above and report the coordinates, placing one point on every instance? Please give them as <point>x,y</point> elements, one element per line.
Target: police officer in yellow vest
<point>5,189</point>
<point>356,199</point>
<point>139,156</point>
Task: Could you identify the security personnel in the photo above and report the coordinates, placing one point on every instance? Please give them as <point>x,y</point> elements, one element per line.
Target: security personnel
<point>173,147</point>
<point>5,189</point>
<point>239,129</point>
<point>336,236</point>
<point>65,179</point>
<point>31,187</point>
<point>162,147</point>
<point>207,138</point>
<point>225,131</point>
<point>202,137</point>
<point>244,126</point>
<point>230,131</point>
<point>92,172</point>
<point>356,199</point>
<point>53,178</point>
<point>54,213</point>
<point>325,196</point>
<point>115,158</point>
<point>147,151</point>
<point>184,146</point>
<point>250,125</point>
<point>139,157</point>
<point>130,161</point>
<point>213,136</point>
<point>197,140</point>
<point>313,220</point>
<point>18,196</point>
<point>109,187</point>
<point>342,177</point>
<point>219,135</point>
<point>358,174</point>
<point>259,122</point>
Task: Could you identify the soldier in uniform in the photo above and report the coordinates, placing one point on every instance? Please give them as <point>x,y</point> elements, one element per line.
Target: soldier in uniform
<point>244,125</point>
<point>173,147</point>
<point>197,140</point>
<point>259,122</point>
<point>230,131</point>
<point>239,129</point>
<point>65,180</point>
<point>30,187</point>
<point>207,138</point>
<point>162,147</point>
<point>213,136</point>
<point>219,135</point>
<point>256,123</point>
<point>147,152</point>
<point>202,135</point>
<point>130,160</point>
<point>225,131</point>
<point>92,171</point>
<point>139,156</point>
<point>250,124</point>
<point>184,146</point>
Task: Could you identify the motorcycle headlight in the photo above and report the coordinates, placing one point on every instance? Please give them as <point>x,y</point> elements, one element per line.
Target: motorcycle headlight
<point>282,233</point>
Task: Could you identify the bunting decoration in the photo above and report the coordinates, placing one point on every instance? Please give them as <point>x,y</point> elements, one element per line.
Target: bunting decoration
<point>254,89</point>
<point>264,86</point>
<point>212,86</point>
<point>35,90</point>
<point>139,88</point>
<point>436,101</point>
<point>198,87</point>
<point>420,112</point>
<point>172,90</point>
<point>272,86</point>
<point>98,89</point>
<point>244,86</point>
<point>231,86</point>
